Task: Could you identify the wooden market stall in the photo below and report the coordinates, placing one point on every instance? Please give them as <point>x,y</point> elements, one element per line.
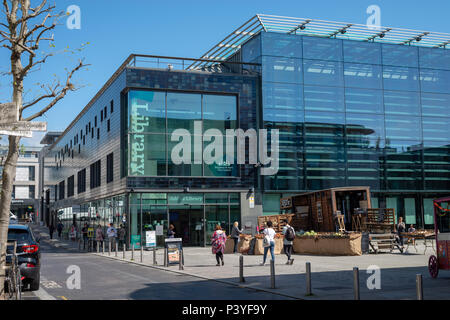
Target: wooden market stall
<point>321,210</point>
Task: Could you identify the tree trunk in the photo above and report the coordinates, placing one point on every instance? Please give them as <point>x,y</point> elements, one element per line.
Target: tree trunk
<point>9,173</point>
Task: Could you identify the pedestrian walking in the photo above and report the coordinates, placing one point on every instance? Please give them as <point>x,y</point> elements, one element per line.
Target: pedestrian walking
<point>51,229</point>
<point>84,232</point>
<point>171,231</point>
<point>218,244</point>
<point>122,232</point>
<point>59,228</point>
<point>99,236</point>
<point>401,227</point>
<point>235,232</point>
<point>288,241</point>
<point>269,241</point>
<point>73,232</point>
<point>112,235</point>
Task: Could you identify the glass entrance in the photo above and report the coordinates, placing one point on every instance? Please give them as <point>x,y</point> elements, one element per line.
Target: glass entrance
<point>188,223</point>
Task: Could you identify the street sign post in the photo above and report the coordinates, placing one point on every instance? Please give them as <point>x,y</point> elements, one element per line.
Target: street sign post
<point>10,124</point>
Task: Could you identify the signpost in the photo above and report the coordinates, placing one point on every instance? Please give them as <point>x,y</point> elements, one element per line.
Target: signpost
<point>10,124</point>
<point>174,251</point>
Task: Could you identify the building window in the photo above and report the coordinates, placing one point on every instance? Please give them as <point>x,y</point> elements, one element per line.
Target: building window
<point>109,168</point>
<point>61,190</point>
<point>98,133</point>
<point>32,192</point>
<point>108,125</point>
<point>105,112</point>
<point>79,148</point>
<point>95,121</point>
<point>70,186</point>
<point>84,140</point>
<point>112,106</point>
<point>82,181</point>
<point>92,133</point>
<point>56,192</point>
<point>95,174</point>
<point>101,115</point>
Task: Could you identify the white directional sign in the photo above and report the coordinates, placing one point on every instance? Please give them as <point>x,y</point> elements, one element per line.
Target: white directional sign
<point>10,125</point>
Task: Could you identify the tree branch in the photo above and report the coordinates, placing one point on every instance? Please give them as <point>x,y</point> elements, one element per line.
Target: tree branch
<point>68,87</point>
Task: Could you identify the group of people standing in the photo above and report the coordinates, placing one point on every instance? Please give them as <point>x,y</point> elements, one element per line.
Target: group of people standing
<point>219,239</point>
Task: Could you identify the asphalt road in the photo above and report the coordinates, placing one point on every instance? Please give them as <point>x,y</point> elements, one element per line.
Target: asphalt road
<point>104,279</point>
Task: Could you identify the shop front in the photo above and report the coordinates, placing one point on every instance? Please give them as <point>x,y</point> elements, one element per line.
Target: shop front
<point>193,215</point>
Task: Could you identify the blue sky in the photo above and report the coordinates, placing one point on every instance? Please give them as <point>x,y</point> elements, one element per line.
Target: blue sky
<point>115,29</point>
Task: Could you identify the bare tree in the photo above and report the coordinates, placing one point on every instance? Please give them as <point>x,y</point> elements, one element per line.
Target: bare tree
<point>23,29</point>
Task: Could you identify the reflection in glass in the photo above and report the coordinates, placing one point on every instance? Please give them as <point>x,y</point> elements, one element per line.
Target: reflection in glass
<point>364,100</point>
<point>395,55</point>
<point>362,75</point>
<point>322,48</point>
<point>283,45</point>
<point>362,52</point>
<point>402,103</point>
<point>278,69</point>
<point>400,78</point>
<point>324,99</point>
<point>326,73</point>
<point>182,110</point>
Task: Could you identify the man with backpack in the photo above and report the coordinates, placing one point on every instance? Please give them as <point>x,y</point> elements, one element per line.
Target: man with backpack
<point>288,241</point>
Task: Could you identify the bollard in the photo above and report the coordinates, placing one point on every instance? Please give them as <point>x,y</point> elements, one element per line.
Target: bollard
<point>98,246</point>
<point>103,245</point>
<point>356,283</point>
<point>124,251</point>
<point>241,268</point>
<point>166,264</point>
<point>419,287</point>
<point>109,248</point>
<point>154,257</point>
<point>272,274</point>
<point>308,279</point>
<point>142,253</point>
<point>132,252</point>
<point>117,247</point>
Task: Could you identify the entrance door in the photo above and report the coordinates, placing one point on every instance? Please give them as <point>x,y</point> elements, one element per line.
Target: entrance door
<point>188,223</point>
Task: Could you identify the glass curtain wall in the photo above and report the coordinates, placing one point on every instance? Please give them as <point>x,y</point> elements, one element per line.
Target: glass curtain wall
<point>354,113</point>
<point>165,125</point>
<point>194,215</point>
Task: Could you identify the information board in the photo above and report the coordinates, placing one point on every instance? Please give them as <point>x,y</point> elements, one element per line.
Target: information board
<point>150,238</point>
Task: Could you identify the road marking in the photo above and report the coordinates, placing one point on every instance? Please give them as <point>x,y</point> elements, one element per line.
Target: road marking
<point>64,298</point>
<point>43,295</point>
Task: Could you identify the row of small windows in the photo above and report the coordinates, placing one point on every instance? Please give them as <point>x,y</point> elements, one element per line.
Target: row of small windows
<point>68,147</point>
<point>95,178</point>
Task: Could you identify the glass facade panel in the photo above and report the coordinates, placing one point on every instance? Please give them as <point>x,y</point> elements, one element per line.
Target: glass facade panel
<point>403,127</point>
<point>428,211</point>
<point>319,72</point>
<point>364,100</point>
<point>434,58</point>
<point>283,45</point>
<point>322,48</point>
<point>437,81</point>
<point>404,56</point>
<point>362,75</point>
<point>400,78</point>
<point>435,105</point>
<point>364,126</point>
<point>436,129</point>
<point>402,103</point>
<point>182,110</point>
<point>219,112</point>
<point>145,160</point>
<point>251,50</point>
<point>362,52</point>
<point>278,69</point>
<point>410,211</point>
<point>324,99</point>
<point>283,102</point>
<point>147,111</point>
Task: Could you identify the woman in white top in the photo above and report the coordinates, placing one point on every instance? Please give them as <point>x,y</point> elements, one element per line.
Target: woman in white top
<point>270,233</point>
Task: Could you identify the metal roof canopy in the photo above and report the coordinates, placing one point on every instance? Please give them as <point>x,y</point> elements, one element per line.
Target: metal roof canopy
<point>321,28</point>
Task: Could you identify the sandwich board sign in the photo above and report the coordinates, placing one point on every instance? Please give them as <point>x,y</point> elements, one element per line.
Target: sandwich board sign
<point>150,238</point>
<point>174,251</point>
<point>10,124</point>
